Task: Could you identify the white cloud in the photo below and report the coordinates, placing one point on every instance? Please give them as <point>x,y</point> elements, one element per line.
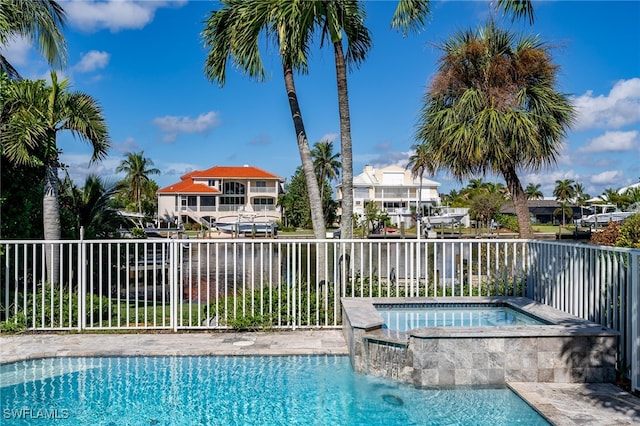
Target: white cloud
<point>92,61</point>
<point>611,177</point>
<point>129,145</point>
<point>16,51</point>
<point>615,141</point>
<point>114,15</point>
<point>171,125</point>
<point>621,107</point>
<point>79,167</point>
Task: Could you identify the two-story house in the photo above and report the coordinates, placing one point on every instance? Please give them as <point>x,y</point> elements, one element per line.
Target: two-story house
<point>394,190</point>
<point>222,194</point>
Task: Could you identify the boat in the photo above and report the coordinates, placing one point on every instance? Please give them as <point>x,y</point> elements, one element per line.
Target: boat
<point>445,216</point>
<point>605,213</point>
<point>248,228</point>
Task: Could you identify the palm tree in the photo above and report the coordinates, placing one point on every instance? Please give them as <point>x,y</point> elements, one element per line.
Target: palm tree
<point>419,163</point>
<point>137,169</point>
<point>564,190</point>
<point>88,207</point>
<point>233,33</point>
<point>564,209</point>
<point>39,20</point>
<point>35,113</point>
<point>340,18</point>
<point>534,192</point>
<point>325,162</point>
<point>492,108</point>
<point>411,15</point>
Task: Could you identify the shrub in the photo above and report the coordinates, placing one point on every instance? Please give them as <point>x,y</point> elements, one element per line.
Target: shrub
<point>629,233</point>
<point>508,221</point>
<point>607,236</point>
<point>55,309</point>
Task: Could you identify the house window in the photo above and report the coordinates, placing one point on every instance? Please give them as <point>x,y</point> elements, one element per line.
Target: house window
<point>261,184</point>
<point>207,201</point>
<point>233,188</point>
<point>263,201</point>
<point>211,183</point>
<point>232,200</point>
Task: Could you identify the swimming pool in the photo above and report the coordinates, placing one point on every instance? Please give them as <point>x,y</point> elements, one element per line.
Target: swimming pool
<point>403,318</point>
<point>240,390</point>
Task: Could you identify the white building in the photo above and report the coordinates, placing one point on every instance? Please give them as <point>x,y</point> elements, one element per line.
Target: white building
<point>222,194</point>
<point>394,190</point>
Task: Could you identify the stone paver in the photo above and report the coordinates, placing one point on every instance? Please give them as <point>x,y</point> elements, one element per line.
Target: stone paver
<point>570,404</point>
<point>564,404</point>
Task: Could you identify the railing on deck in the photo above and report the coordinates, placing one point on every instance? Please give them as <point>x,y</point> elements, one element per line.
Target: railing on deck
<point>280,283</point>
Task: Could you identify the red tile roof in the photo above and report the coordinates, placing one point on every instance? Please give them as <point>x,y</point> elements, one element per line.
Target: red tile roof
<point>242,172</point>
<point>187,186</point>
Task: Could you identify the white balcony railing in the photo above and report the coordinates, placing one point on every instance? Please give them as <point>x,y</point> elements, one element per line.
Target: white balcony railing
<point>211,284</point>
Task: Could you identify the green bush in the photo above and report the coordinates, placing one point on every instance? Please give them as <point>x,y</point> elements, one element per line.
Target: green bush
<point>508,221</point>
<point>53,308</point>
<point>14,324</point>
<point>629,233</point>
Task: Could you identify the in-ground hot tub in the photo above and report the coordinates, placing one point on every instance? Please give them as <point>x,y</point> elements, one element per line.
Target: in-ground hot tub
<point>408,316</point>
<point>549,346</point>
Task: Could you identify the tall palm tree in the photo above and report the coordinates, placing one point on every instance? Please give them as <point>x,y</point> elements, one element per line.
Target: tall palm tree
<point>492,107</point>
<point>533,192</point>
<point>564,190</point>
<point>233,33</point>
<point>340,19</point>
<point>39,20</point>
<point>137,168</point>
<point>419,162</point>
<point>325,162</point>
<point>36,113</point>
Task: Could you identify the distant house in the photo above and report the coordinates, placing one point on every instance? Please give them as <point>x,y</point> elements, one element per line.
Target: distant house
<point>541,211</point>
<point>393,189</point>
<point>221,194</point>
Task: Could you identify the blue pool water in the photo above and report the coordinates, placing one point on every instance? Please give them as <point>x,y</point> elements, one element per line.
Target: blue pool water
<point>287,390</point>
<point>403,319</point>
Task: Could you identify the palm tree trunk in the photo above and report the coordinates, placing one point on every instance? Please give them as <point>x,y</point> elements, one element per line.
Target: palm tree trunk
<point>346,149</point>
<point>317,217</point>
<point>519,201</point>
<point>51,221</point>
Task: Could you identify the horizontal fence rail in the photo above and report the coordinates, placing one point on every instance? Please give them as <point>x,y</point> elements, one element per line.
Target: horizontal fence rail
<point>288,283</point>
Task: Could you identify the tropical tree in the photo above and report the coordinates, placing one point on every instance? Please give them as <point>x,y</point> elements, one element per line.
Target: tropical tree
<point>233,33</point>
<point>492,107</point>
<point>40,21</point>
<point>564,210</point>
<point>340,18</point>
<point>411,15</point>
<point>89,208</point>
<point>534,192</point>
<point>35,113</point>
<point>564,190</point>
<point>419,163</point>
<point>485,205</point>
<point>137,169</point>
<point>326,163</point>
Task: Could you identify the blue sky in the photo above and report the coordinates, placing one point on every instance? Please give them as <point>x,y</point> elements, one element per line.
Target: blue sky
<point>143,61</point>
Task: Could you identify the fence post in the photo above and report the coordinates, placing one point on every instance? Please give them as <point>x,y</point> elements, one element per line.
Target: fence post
<point>635,319</point>
<point>82,279</point>
<point>173,284</point>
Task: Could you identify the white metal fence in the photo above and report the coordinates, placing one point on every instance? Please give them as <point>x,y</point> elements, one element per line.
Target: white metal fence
<point>280,283</point>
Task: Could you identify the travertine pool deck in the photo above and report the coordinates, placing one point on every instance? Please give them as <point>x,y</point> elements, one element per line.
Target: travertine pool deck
<point>563,404</point>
